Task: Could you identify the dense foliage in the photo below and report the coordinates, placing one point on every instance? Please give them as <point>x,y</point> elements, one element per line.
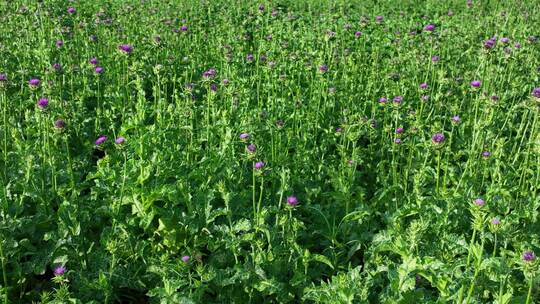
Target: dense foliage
<point>285,151</point>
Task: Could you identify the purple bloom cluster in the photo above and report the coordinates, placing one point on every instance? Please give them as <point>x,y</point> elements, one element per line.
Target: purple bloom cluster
<point>100,140</point>
<point>59,271</point>
<point>476,83</point>
<point>3,77</point>
<point>43,102</point>
<point>125,48</point>
<point>398,99</point>
<point>479,202</point>
<point>323,68</point>
<point>437,138</point>
<point>259,165</point>
<point>292,200</point>
<point>528,256</point>
<point>429,28</point>
<point>536,92</point>
<point>490,43</point>
<point>211,73</point>
<point>60,124</point>
<point>34,82</point>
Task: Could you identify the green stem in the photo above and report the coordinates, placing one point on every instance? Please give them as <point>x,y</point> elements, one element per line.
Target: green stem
<point>4,272</point>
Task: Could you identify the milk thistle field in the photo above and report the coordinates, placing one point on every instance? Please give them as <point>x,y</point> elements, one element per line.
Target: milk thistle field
<point>285,151</point>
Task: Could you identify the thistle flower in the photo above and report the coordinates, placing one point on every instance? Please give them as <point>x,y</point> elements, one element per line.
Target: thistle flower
<point>339,130</point>
<point>490,43</point>
<point>43,102</point>
<point>185,259</point>
<point>528,256</point>
<point>382,100</point>
<point>429,28</point>
<point>33,82</point>
<point>125,48</point>
<point>398,99</point>
<point>57,66</point>
<point>3,77</point>
<point>259,165</point>
<point>358,34</point>
<point>292,200</point>
<point>98,70</point>
<point>437,138</point>
<point>71,10</point>
<point>93,61</point>
<point>475,83</point>
<point>100,140</point>
<point>209,73</point>
<point>505,40</point>
<point>399,130</point>
<point>495,221</point>
<point>486,154</point>
<point>456,119</point>
<point>261,8</point>
<point>435,58</point>
<point>226,81</point>
<point>397,141</point>
<point>59,43</point>
<point>251,148</point>
<point>479,202</point>
<point>244,136</point>
<point>536,92</point>
<point>184,28</point>
<point>425,97</point>
<point>379,19</point>
<point>60,124</point>
<point>423,86</point>
<point>120,140</point>
<point>213,87</point>
<point>517,45</point>
<point>250,57</point>
<point>59,271</point>
<point>323,68</point>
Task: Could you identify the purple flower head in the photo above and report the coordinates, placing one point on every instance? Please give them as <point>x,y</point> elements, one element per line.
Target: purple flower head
<point>292,200</point>
<point>429,28</point>
<point>350,162</point>
<point>479,202</point>
<point>456,119</point>
<point>120,140</point>
<point>397,141</point>
<point>274,13</point>
<point>475,83</point>
<point>43,102</point>
<point>517,45</point>
<point>184,28</point>
<point>59,43</point>
<point>382,100</point>
<point>435,58</point>
<point>71,10</point>
<point>213,87</point>
<point>486,154</point>
<point>3,77</point>
<point>125,48</point>
<point>400,130</point>
<point>60,124</point>
<point>379,19</point>
<point>495,221</point>
<point>423,86</point>
<point>261,8</point>
<point>358,34</point>
<point>244,136</point>
<point>250,57</point>
<point>528,256</point>
<point>100,140</point>
<point>57,66</point>
<point>258,165</point>
<point>536,92</point>
<point>251,148</point>
<point>98,70</point>
<point>398,99</point>
<point>185,259</point>
<point>437,138</point>
<point>490,43</point>
<point>93,61</point>
<point>505,40</point>
<point>226,81</point>
<point>339,130</point>
<point>33,82</point>
<point>59,271</point>
<point>495,98</point>
<point>323,68</point>
<point>209,73</point>
<point>425,97</point>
